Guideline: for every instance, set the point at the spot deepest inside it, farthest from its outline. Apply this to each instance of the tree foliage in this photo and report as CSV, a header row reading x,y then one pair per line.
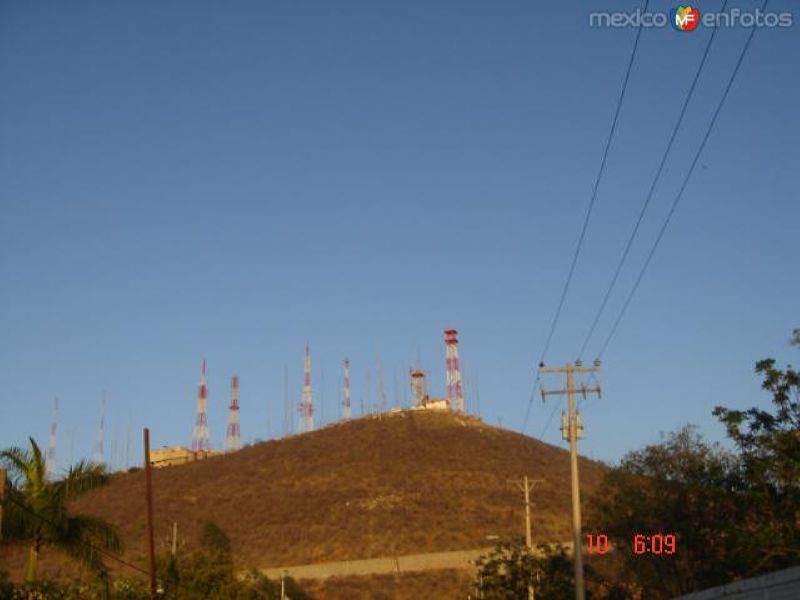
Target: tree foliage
x,y
679,486
37,510
506,572
208,572
92,589
736,514
214,540
768,443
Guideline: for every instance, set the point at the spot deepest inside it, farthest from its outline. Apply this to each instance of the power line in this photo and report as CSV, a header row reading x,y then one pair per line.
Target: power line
x,y
530,404
549,420
594,191
653,185
685,182
589,210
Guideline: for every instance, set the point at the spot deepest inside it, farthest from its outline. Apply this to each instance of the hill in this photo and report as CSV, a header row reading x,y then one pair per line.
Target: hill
x,y
403,483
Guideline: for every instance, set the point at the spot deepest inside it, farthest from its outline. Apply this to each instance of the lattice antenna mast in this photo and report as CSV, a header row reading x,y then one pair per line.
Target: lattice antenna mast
x,y
200,441
287,407
233,441
396,387
128,435
50,462
418,386
455,393
346,410
381,387
368,394
99,451
306,406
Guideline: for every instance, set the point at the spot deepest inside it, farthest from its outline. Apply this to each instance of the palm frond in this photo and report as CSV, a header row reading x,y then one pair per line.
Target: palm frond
x,y
18,461
81,477
85,553
18,523
85,537
39,467
95,530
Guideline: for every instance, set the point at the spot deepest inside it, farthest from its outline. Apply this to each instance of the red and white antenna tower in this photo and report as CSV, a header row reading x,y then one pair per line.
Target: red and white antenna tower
x,y
306,405
233,442
418,386
455,394
99,451
200,441
346,412
50,462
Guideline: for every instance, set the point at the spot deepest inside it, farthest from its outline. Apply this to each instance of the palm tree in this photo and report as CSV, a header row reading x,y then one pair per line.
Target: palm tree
x,y
38,511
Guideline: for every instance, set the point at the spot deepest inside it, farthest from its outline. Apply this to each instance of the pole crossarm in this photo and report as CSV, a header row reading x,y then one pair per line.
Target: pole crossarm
x,y
573,369
584,390
521,483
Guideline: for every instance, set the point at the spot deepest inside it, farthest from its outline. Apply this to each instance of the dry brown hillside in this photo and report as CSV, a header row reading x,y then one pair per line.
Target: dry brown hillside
x,y
404,483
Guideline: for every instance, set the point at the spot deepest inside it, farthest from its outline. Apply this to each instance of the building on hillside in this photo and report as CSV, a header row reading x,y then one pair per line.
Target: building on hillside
x,y
177,455
429,403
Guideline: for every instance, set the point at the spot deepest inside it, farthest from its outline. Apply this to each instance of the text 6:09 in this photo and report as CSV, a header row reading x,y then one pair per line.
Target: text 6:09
x,y
654,544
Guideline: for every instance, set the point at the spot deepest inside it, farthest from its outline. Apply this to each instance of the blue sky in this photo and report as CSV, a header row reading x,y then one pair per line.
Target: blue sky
x,y
203,179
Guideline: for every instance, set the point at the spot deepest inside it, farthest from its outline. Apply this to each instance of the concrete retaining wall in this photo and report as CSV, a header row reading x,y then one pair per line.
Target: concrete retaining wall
x,y
457,559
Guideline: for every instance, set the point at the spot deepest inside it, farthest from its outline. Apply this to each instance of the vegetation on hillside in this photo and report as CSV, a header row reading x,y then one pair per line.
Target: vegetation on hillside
x,y
204,573
208,572
506,571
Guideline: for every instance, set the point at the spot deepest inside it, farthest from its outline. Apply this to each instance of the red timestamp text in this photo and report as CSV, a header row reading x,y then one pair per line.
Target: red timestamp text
x,y
656,543
643,543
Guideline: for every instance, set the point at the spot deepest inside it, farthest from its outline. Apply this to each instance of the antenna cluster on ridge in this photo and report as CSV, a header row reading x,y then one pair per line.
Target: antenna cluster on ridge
x,y
306,422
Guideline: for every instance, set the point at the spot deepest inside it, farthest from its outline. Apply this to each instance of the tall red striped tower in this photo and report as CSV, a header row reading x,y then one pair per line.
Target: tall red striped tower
x,y
306,405
233,441
455,395
200,441
346,412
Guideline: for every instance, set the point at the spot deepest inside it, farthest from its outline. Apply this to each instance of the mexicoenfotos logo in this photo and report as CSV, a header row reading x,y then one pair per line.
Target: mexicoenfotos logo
x,y
684,18
688,18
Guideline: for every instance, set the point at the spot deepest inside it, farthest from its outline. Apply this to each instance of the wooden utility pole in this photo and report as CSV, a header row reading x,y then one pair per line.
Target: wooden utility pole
x,y
527,485
572,429
174,538
2,498
148,474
